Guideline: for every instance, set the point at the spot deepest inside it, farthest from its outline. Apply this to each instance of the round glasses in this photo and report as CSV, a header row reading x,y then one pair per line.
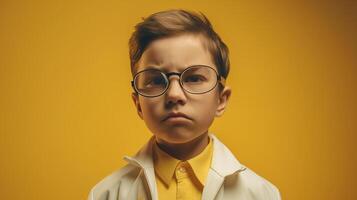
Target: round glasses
x,y
197,79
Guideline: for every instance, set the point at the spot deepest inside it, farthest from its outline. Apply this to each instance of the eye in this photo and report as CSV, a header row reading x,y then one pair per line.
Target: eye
x,y
194,78
158,81
155,81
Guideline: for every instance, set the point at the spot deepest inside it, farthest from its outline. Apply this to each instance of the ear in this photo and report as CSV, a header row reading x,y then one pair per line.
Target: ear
x,y
223,100
135,98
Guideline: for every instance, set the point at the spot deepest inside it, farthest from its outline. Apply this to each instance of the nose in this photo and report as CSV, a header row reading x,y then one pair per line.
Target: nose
x,y
175,93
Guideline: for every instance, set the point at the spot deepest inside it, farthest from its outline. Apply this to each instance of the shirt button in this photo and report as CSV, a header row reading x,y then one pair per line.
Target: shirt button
x,y
182,169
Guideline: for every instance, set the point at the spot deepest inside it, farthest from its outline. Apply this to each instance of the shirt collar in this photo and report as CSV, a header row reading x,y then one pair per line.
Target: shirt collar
x,y
223,161
165,164
202,162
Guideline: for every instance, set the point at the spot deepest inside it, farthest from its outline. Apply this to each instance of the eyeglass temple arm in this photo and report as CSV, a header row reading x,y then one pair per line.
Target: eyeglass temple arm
x,y
132,85
222,80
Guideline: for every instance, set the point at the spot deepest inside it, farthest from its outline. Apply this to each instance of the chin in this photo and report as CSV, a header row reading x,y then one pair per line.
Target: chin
x,y
177,137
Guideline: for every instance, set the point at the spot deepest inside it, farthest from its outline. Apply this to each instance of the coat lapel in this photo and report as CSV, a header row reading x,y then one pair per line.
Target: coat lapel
x,y
223,164
213,184
143,159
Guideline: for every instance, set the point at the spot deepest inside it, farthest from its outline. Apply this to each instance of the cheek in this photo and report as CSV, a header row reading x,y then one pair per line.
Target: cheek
x,y
150,109
205,108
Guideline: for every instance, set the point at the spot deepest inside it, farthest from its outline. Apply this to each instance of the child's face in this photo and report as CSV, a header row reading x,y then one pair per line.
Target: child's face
x,y
175,54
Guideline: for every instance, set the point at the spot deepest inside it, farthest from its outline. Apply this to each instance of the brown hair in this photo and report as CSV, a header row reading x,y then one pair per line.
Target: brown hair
x,y
175,22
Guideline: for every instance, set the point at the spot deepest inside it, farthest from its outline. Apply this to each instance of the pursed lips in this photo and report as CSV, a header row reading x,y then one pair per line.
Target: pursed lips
x,y
176,115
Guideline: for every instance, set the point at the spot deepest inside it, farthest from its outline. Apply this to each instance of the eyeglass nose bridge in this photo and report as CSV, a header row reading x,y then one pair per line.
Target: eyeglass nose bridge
x,y
172,74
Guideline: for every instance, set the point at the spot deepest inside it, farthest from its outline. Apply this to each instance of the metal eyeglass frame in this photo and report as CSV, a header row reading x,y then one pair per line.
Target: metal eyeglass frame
x,y
220,79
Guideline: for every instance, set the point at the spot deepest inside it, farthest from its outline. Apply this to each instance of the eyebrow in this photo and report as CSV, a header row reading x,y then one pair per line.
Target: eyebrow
x,y
156,67
150,67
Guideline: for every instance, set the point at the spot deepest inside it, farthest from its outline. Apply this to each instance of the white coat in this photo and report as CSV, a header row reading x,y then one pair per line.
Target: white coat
x,y
227,179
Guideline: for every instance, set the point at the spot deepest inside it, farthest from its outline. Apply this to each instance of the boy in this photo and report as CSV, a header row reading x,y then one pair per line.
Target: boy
x,y
179,66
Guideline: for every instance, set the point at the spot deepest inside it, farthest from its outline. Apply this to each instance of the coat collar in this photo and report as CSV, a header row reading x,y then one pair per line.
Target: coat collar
x,y
223,160
144,160
223,163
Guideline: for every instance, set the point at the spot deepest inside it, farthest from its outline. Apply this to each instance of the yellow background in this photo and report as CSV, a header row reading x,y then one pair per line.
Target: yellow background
x,y
67,119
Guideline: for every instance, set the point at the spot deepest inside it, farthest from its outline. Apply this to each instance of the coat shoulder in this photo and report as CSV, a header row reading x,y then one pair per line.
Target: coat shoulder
x,y
110,185
259,187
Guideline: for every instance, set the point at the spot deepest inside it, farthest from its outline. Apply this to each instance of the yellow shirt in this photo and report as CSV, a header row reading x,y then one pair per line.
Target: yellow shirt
x,y
184,180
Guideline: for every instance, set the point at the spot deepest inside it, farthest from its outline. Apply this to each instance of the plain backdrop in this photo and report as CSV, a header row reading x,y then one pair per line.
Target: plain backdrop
x,y
67,118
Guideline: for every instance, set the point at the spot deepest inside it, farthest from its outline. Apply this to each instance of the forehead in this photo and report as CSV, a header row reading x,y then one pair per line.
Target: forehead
x,y
175,54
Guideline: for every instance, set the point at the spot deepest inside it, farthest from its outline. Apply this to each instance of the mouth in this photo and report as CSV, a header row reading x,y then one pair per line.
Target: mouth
x,y
176,116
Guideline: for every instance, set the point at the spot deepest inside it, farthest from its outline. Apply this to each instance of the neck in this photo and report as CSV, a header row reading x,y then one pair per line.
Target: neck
x,y
185,151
